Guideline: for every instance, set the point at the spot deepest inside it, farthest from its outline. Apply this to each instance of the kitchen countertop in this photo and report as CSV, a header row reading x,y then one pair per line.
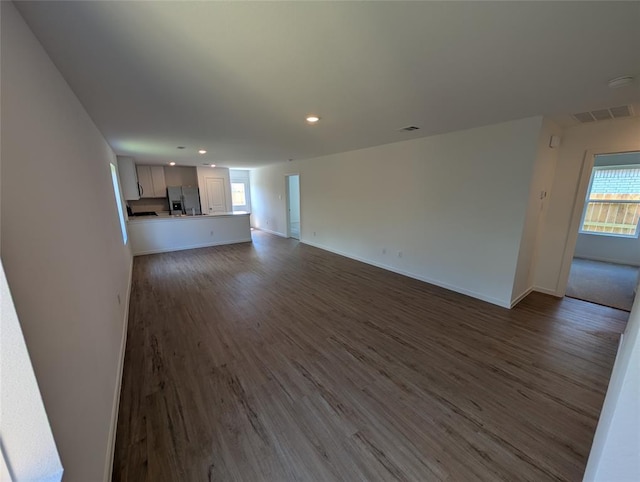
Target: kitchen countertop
x,y
167,217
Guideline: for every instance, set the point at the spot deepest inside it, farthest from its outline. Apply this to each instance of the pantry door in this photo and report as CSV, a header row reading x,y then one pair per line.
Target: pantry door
x,y
216,198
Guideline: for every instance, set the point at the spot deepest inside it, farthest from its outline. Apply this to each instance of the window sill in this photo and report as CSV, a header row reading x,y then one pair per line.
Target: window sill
x,y
610,235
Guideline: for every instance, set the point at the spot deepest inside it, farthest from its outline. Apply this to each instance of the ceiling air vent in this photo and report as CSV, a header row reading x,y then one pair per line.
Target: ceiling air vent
x,y
409,128
584,117
622,111
604,114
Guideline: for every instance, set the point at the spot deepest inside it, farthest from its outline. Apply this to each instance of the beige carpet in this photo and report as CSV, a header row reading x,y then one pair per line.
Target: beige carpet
x,y
606,284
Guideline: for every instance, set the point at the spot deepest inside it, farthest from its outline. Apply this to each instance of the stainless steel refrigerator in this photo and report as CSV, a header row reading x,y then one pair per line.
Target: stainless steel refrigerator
x,y
184,200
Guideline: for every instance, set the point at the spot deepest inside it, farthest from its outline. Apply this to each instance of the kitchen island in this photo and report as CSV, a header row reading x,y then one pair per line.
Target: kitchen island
x,y
160,234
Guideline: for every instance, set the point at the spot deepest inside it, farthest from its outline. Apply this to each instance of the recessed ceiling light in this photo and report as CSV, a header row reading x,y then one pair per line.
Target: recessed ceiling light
x,y
213,165
312,119
172,163
180,147
202,151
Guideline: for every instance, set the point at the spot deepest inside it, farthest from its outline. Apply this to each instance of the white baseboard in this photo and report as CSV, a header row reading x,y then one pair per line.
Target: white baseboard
x,y
521,297
608,260
282,235
192,246
457,289
108,470
546,291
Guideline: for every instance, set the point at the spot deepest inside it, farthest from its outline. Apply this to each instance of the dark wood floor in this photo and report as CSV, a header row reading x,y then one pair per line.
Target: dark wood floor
x,y
278,361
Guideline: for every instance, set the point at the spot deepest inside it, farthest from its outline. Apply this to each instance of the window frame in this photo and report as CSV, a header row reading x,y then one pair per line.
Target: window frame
x,y
244,189
588,195
117,193
241,176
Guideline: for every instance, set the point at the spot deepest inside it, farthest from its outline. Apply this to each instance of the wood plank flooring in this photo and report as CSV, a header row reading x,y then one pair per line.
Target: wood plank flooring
x,y
276,361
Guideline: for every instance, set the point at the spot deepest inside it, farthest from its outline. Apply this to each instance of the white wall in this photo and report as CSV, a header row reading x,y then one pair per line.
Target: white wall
x,y
27,441
268,191
616,445
181,176
608,248
541,182
552,270
174,234
62,250
453,204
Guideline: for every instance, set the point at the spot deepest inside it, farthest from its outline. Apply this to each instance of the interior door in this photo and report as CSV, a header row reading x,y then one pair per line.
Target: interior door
x,y
216,198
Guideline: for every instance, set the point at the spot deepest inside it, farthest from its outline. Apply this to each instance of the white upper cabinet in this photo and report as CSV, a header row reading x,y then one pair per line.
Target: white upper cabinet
x,y
159,183
145,183
128,178
151,181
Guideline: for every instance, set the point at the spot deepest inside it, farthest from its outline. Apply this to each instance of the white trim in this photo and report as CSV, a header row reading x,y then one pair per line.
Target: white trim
x,y
576,212
595,168
287,209
546,291
241,176
193,246
522,296
611,235
608,260
108,470
457,289
276,233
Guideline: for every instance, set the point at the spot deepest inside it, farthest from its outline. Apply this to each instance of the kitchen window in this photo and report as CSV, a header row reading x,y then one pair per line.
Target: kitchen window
x,y
238,194
612,206
240,190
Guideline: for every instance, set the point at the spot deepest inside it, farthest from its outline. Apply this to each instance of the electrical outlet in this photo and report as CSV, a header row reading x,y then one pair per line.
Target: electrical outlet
x,y
211,233
384,250
314,233
399,254
118,296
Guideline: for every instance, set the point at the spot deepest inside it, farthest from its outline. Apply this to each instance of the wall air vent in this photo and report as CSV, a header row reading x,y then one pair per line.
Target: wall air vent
x,y
604,114
409,128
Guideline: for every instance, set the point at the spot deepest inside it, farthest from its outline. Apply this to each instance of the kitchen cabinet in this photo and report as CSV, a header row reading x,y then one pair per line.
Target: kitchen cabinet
x,y
152,234
159,183
151,181
128,178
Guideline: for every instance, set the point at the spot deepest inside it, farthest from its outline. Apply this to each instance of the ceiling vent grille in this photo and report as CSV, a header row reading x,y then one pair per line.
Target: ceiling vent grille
x,y
622,111
604,114
409,128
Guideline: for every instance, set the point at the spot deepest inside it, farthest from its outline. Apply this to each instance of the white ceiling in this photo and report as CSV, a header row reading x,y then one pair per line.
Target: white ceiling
x,y
238,78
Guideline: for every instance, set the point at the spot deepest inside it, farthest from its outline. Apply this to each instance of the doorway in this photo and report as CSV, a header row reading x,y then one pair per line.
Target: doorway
x,y
293,206
604,268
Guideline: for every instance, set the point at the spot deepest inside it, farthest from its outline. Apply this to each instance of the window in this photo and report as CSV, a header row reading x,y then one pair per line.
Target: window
x,y
116,192
238,195
240,190
612,207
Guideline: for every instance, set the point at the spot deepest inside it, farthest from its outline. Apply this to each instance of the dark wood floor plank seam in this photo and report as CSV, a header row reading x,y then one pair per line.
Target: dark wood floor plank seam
x,y
277,361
